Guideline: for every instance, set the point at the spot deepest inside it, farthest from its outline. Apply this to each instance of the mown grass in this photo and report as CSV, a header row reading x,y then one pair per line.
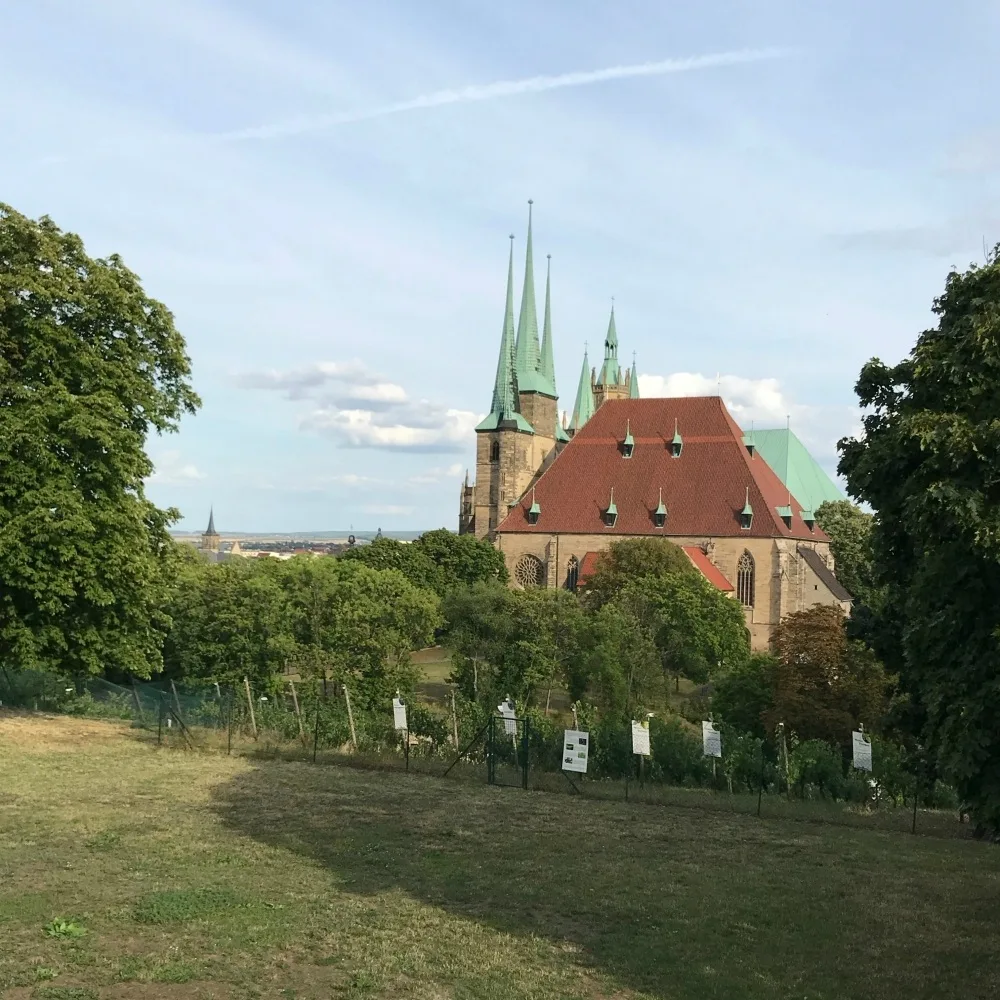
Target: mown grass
x,y
200,875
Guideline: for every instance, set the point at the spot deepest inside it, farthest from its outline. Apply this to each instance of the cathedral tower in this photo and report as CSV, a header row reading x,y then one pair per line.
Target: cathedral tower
x,y
210,538
611,382
504,439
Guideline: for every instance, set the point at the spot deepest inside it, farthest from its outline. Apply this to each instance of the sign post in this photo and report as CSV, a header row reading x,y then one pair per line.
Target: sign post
x,y
640,745
400,725
862,748
711,743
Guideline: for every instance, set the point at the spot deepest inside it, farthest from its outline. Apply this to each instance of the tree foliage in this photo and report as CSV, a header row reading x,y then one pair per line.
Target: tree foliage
x,y
346,621
89,365
438,560
929,466
824,683
631,559
850,528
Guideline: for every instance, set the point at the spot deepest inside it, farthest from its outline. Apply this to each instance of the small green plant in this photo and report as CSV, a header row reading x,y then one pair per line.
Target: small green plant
x,y
64,928
43,973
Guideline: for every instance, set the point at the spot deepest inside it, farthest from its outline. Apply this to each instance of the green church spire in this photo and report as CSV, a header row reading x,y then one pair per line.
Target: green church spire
x,y
583,409
610,372
547,368
504,406
633,381
528,353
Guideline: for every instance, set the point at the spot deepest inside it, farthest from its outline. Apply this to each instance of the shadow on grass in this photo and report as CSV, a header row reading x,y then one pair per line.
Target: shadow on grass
x,y
673,902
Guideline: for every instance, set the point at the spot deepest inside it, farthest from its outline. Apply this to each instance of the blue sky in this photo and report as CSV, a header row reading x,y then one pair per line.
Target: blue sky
x,y
322,192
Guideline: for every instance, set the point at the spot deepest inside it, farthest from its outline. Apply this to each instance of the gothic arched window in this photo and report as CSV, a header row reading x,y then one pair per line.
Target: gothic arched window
x,y
745,580
495,451
529,571
572,573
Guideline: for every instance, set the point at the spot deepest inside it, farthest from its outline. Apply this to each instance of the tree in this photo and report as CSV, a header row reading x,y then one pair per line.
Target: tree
x,y
517,642
438,560
360,623
89,365
623,675
462,560
850,528
231,620
742,697
698,630
632,559
824,683
929,466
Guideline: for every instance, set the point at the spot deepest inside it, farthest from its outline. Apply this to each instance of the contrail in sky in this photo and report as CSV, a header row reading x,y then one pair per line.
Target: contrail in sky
x,y
503,88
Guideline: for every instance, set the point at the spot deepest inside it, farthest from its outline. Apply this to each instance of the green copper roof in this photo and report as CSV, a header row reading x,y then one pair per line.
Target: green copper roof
x,y
583,408
503,409
547,367
612,509
561,434
527,351
795,467
610,372
633,382
661,507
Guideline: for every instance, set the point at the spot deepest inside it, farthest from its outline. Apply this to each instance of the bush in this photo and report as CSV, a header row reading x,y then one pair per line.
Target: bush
x,y
816,766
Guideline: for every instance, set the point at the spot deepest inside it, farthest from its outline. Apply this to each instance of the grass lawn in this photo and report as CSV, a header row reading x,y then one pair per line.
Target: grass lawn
x,y
163,873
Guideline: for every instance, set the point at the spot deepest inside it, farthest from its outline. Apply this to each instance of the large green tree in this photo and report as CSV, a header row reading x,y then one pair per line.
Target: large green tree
x,y
89,366
929,466
850,529
824,683
631,559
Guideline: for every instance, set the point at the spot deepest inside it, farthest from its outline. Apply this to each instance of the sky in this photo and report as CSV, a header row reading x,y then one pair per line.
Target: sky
x,y
772,192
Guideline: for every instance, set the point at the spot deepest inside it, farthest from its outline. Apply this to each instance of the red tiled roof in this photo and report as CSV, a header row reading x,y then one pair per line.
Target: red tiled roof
x,y
704,489
587,566
708,569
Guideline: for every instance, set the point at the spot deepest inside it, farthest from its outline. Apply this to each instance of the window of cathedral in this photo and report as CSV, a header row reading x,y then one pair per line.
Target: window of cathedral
x,y
572,574
529,571
611,513
746,515
745,579
677,442
495,451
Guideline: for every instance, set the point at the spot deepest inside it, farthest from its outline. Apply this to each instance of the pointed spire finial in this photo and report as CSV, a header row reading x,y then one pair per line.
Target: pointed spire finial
x,y
546,362
527,350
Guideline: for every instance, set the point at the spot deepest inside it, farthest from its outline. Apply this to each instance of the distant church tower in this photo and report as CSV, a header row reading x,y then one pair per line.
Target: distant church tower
x,y
611,382
210,539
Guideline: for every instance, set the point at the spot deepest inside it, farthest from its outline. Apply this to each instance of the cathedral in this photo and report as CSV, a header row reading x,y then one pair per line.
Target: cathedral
x,y
552,493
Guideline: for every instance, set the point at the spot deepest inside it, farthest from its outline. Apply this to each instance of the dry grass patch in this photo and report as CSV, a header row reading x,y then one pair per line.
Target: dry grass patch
x,y
200,875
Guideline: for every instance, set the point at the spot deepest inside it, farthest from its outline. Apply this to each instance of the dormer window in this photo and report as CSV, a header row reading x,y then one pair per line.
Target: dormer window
x,y
785,513
628,445
611,513
660,514
677,442
746,515
809,518
534,511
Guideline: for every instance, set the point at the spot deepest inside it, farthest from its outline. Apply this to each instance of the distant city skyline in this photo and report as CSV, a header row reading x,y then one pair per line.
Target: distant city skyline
x,y
322,194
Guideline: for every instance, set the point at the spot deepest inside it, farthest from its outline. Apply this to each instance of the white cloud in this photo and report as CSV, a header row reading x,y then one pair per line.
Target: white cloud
x,y
436,475
761,400
360,409
172,470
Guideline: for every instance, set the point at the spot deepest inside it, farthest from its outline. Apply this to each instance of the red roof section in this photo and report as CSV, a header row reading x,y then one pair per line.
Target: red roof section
x,y
704,489
708,569
587,566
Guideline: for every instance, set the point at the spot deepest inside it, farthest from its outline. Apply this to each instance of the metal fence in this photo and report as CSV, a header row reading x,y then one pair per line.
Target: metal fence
x,y
317,721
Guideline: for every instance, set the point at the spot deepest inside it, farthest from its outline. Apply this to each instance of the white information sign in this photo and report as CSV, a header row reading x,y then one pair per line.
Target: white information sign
x,y
862,752
711,740
576,747
506,709
399,713
640,738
